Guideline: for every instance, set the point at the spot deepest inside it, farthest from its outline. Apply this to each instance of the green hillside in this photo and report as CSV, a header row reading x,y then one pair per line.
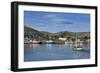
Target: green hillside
x,y
54,36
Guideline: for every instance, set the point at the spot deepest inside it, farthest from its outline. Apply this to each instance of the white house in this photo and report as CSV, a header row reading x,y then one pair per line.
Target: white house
x,y
62,39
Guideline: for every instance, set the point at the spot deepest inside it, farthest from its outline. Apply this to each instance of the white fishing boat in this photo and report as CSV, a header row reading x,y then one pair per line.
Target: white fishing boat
x,y
49,42
78,45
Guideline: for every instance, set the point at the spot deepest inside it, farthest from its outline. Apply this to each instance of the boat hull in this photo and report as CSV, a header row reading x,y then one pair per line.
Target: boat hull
x,y
78,49
32,42
49,42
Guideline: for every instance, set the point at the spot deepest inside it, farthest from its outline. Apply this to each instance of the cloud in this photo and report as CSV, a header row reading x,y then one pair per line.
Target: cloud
x,y
59,20
63,21
50,16
40,25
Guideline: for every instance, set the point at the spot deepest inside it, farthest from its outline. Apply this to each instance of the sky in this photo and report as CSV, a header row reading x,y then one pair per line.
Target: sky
x,y
56,21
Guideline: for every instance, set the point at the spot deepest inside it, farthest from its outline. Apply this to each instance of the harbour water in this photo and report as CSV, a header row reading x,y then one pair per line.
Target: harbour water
x,y
47,52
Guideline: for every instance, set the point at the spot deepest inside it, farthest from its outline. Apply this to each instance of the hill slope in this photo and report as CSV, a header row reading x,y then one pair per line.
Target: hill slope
x,y
45,34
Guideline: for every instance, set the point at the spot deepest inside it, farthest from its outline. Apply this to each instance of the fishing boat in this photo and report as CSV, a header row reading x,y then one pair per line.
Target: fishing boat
x,y
31,39
78,46
34,42
49,42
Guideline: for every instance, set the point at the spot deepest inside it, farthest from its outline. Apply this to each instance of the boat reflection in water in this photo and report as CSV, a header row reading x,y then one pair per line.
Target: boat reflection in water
x,y
46,52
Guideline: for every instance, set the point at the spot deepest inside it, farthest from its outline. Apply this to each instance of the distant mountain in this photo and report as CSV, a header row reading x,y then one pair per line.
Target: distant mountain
x,y
45,34
83,34
31,31
73,34
64,33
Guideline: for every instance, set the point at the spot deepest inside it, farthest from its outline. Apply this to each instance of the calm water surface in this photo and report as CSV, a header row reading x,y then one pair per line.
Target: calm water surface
x,y
44,52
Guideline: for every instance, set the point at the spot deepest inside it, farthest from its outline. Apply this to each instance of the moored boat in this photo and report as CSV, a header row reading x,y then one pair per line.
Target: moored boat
x,y
35,42
50,42
78,46
32,42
